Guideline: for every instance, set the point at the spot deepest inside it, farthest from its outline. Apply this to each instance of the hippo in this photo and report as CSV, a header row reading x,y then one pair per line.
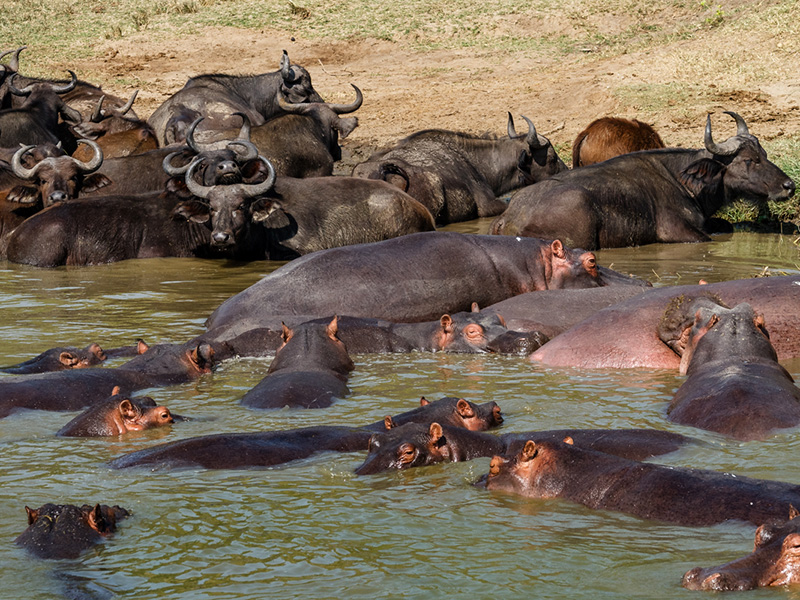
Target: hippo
x,y
417,444
59,359
269,448
461,332
775,560
308,371
689,497
416,277
450,411
735,385
161,365
625,335
60,531
117,415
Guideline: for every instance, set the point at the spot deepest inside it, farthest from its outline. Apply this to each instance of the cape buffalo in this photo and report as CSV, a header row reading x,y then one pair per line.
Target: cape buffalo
x,y
651,196
458,176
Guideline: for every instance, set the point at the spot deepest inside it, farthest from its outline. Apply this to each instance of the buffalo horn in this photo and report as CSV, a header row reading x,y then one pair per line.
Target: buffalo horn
x,y
96,160
68,87
252,190
166,164
247,190
286,68
741,126
17,92
16,164
190,135
129,103
13,64
301,108
197,189
726,148
97,115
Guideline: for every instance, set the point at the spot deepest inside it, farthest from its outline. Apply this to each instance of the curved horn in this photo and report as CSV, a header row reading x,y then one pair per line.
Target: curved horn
x,y
96,160
741,126
251,190
244,132
299,108
166,164
512,131
63,89
534,139
197,189
16,164
97,115
726,148
249,153
14,62
129,103
341,109
190,136
17,92
286,70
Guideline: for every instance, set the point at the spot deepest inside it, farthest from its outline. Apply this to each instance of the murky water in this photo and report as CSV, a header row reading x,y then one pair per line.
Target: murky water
x,y
312,529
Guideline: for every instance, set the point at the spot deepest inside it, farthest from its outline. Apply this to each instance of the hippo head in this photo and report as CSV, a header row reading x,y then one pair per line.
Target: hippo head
x,y
520,473
453,412
64,530
404,447
775,560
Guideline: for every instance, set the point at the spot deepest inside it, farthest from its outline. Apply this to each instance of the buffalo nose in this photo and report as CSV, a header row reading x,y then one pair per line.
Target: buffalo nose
x,y
221,237
789,186
57,197
227,166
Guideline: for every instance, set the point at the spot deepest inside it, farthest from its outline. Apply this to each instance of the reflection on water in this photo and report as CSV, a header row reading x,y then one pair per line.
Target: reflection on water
x,y
314,530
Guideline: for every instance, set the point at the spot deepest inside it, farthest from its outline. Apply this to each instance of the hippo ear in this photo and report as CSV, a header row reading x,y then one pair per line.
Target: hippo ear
x,y
333,328
528,451
761,325
126,409
793,512
435,432
286,333
423,401
447,323
557,248
502,320
68,359
494,466
464,409
475,308
33,514
115,391
141,346
203,356
569,440
389,423
96,520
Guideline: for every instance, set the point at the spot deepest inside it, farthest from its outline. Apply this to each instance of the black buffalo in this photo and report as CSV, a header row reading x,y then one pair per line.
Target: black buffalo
x,y
299,216
458,176
651,196
217,97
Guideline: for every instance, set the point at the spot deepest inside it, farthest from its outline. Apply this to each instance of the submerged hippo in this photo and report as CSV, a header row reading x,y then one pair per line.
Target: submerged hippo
x,y
452,411
117,415
65,531
625,335
775,560
161,365
735,385
690,497
59,359
310,370
413,278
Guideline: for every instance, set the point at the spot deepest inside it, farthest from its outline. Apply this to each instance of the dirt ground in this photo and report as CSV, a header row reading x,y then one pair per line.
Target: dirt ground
x,y
467,90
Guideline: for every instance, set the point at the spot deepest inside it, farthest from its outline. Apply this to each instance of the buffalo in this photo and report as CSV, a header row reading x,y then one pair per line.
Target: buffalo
x,y
608,137
217,97
459,176
652,196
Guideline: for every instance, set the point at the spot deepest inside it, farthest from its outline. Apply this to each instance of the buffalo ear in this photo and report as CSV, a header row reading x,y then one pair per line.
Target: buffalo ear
x,y
700,174
68,359
270,213
177,186
94,182
33,514
193,211
254,171
345,126
23,194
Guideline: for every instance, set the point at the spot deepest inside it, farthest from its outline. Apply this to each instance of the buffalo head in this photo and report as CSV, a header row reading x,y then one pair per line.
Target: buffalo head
x,y
56,178
296,82
536,157
748,173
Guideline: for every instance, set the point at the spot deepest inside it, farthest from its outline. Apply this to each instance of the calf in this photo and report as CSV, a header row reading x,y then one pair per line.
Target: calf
x,y
608,137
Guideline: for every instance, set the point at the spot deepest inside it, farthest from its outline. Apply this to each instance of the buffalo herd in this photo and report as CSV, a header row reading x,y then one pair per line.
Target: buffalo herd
x,y
241,167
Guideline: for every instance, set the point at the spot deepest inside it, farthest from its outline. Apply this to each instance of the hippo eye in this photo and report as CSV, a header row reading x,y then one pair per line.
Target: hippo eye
x,y
473,331
406,453
165,415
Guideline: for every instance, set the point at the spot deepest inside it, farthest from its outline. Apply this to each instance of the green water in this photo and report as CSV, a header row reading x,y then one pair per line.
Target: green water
x,y
312,529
